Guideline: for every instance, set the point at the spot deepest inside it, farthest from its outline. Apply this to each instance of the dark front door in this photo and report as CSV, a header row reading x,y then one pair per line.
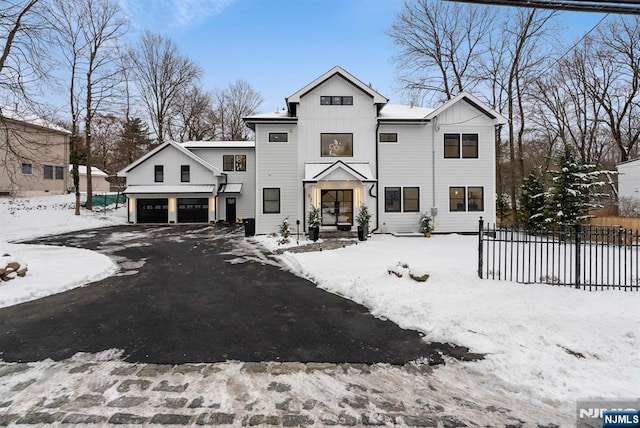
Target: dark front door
x,y
231,210
337,207
193,210
152,210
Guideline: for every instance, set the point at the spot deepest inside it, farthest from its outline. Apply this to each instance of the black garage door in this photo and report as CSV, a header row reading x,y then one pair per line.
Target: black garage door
x,y
152,211
193,210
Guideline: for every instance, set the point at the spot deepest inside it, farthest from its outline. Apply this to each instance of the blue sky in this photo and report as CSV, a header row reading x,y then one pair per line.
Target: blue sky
x,y
278,46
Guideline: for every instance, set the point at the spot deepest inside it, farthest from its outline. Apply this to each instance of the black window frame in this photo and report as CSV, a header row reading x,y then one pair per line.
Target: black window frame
x,y
47,172
451,145
58,172
265,200
389,137
387,193
278,137
465,145
241,163
228,162
158,173
461,204
404,199
477,207
185,173
27,166
336,100
325,150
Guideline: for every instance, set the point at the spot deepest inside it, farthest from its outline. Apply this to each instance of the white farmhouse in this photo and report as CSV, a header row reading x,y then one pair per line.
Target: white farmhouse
x,y
337,145
629,179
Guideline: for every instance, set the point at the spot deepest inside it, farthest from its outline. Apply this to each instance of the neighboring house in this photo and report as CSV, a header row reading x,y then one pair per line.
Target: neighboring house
x,y
629,179
99,183
192,182
339,144
34,155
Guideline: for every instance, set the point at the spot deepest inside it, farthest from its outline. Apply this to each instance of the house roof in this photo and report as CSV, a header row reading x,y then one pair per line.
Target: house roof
x,y
403,112
230,188
31,119
95,172
218,144
630,161
182,188
337,71
318,171
474,102
178,147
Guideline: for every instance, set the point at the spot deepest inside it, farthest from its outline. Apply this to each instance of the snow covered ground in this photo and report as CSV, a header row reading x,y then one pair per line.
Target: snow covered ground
x,y
544,344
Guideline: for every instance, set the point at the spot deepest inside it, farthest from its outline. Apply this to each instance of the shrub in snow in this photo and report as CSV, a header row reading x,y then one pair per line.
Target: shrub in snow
x,y
425,224
418,275
285,231
533,202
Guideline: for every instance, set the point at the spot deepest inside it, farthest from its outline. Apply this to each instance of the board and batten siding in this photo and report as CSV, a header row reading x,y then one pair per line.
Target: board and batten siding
x,y
462,118
629,179
171,159
406,163
278,168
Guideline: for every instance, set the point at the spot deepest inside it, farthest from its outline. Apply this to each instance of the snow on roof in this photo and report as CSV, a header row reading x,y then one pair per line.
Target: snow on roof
x,y
32,119
218,144
95,172
399,111
280,114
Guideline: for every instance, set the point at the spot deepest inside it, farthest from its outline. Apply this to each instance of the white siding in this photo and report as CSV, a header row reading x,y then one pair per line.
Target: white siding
x,y
629,179
171,159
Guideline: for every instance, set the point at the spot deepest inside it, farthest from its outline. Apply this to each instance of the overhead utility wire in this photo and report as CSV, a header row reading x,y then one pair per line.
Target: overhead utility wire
x,y
629,7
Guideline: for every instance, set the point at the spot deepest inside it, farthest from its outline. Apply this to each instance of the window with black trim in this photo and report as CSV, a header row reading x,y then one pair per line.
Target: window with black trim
x,y
335,100
48,172
457,199
411,199
241,162
392,199
278,137
185,173
470,145
227,162
451,146
388,137
27,169
461,146
59,172
476,198
271,200
335,145
158,172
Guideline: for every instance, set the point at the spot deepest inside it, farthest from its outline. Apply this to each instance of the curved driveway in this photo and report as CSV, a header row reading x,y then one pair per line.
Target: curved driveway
x,y
194,293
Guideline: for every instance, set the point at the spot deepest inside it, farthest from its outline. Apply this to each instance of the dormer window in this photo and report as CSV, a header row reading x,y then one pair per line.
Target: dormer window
x,y
336,100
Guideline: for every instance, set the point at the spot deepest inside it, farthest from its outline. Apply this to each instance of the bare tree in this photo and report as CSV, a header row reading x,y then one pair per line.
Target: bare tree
x,y
440,46
162,76
232,105
193,116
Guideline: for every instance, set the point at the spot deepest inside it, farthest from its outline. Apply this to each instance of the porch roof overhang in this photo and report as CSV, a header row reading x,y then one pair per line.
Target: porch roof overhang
x,y
322,171
168,189
230,188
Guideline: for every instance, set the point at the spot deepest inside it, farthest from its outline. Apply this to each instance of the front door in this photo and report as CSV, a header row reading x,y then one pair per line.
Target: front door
x,y
337,207
231,210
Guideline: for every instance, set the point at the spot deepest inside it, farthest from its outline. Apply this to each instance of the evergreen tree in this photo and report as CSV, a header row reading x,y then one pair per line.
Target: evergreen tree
x,y
533,202
571,197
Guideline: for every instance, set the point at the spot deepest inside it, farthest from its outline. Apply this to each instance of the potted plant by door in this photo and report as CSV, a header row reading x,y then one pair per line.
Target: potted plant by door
x,y
314,223
426,224
363,218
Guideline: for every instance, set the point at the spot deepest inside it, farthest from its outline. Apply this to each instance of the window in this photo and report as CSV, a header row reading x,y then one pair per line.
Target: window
x,y
336,145
336,101
457,199
185,173
278,137
451,146
388,137
48,172
453,149
411,199
27,169
470,145
59,173
159,173
476,198
392,199
227,162
241,162
271,200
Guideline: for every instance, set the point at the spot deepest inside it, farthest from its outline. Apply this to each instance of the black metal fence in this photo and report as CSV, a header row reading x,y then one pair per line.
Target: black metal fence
x,y
581,256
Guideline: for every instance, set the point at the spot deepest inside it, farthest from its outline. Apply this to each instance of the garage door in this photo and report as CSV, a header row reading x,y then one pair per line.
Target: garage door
x,y
152,211
193,210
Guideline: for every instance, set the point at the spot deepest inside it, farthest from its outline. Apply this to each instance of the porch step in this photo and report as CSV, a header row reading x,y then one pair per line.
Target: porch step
x,y
338,234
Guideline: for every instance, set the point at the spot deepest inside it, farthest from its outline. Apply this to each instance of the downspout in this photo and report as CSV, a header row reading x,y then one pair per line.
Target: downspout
x,y
377,183
434,124
304,208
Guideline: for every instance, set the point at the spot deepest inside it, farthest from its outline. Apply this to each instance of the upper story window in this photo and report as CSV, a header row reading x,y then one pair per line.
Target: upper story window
x,y
278,137
158,171
27,169
227,162
388,137
185,173
335,100
59,172
334,145
461,146
241,162
48,172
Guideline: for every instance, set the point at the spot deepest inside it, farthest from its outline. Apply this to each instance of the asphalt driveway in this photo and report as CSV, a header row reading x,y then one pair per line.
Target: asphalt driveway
x,y
194,293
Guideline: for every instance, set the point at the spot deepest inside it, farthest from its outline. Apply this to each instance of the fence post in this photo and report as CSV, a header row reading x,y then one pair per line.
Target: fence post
x,y
480,247
578,232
